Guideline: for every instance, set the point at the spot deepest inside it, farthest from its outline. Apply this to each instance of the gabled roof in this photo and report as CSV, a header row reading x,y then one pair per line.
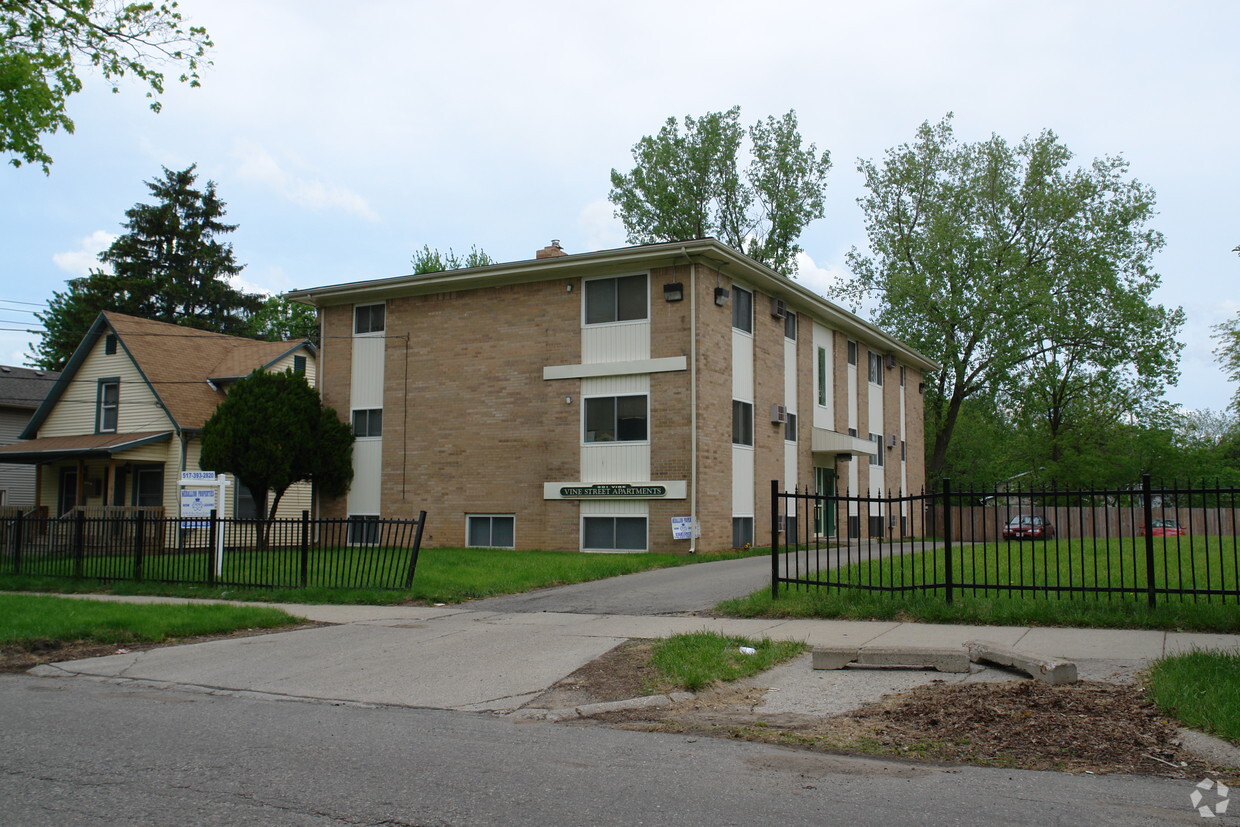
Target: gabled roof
x,y
178,363
24,388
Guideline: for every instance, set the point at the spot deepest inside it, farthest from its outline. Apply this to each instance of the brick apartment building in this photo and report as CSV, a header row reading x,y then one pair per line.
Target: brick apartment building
x,y
583,401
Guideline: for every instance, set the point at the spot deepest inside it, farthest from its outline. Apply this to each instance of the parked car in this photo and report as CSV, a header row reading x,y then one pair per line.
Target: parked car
x,y
1165,528
1028,527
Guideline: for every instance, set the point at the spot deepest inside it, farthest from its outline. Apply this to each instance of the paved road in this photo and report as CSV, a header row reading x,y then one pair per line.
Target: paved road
x,y
76,752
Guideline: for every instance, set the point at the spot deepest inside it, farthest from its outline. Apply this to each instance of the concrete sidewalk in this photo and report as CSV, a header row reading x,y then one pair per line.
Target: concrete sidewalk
x,y
458,658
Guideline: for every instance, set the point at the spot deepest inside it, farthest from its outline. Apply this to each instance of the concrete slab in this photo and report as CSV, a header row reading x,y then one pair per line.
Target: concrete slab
x,y
1041,667
1178,642
831,632
362,614
942,634
1084,644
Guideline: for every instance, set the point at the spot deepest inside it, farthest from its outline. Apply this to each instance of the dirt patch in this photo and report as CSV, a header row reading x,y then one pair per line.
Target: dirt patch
x,y
21,658
1089,726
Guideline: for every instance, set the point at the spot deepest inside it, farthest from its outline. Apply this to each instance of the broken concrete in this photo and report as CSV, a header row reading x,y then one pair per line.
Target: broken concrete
x,y
1048,670
939,659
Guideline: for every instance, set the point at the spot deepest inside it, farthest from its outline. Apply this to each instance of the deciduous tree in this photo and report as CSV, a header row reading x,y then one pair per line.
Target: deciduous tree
x,y
689,185
44,43
1021,275
427,260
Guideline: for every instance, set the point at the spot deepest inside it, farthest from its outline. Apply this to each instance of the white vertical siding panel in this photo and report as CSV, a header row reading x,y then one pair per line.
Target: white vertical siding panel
x,y
790,375
364,495
615,385
790,473
630,508
367,388
852,397
615,462
824,415
625,341
742,367
742,481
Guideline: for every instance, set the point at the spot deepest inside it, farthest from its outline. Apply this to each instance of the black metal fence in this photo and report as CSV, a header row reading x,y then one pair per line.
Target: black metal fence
x,y
357,553
1153,544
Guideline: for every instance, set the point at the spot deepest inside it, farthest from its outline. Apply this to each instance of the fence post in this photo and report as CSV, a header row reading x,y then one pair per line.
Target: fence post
x,y
305,547
774,539
17,543
139,536
211,545
79,544
947,535
417,545
1147,506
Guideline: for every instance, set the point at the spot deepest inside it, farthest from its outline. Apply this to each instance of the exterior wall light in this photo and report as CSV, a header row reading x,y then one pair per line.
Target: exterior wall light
x,y
721,296
673,292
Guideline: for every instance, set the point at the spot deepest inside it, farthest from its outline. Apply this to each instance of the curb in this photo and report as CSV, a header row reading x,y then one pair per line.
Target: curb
x,y
1210,747
586,710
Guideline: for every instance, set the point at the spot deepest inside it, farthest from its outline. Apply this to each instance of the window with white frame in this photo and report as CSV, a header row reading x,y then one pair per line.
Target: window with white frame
x,y
877,439
790,428
852,353
742,422
613,533
822,376
369,318
620,299
363,529
790,325
742,532
742,309
490,530
107,406
368,423
876,368
616,418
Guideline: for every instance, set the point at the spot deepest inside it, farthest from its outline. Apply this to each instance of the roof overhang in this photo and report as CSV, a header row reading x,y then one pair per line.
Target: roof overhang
x,y
56,448
833,442
705,251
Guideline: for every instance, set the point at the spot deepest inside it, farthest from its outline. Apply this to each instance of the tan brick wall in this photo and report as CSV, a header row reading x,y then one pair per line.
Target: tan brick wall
x,y
714,382
768,439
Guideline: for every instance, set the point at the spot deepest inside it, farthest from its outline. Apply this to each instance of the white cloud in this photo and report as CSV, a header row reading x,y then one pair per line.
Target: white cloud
x,y
272,281
78,262
258,165
822,280
600,228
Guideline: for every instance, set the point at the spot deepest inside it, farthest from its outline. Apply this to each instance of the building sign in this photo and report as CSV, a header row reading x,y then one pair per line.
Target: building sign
x,y
612,490
685,528
197,505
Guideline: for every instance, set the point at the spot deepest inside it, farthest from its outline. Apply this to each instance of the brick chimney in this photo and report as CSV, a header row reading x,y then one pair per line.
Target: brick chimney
x,y
552,251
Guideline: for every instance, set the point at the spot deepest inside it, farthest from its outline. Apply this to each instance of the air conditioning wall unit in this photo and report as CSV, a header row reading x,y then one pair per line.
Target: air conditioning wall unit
x,y
891,361
779,413
778,309
891,440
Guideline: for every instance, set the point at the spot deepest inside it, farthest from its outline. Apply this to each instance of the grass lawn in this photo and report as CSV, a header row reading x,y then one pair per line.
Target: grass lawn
x,y
27,619
443,576
987,578
1202,689
699,659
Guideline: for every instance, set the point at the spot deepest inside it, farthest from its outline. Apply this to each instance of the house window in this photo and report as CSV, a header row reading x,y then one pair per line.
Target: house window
x,y
369,318
852,353
616,419
877,439
790,428
299,364
109,344
790,325
822,376
108,404
742,422
368,423
742,532
742,309
244,507
490,531
876,368
852,431
622,299
901,375
363,529
613,533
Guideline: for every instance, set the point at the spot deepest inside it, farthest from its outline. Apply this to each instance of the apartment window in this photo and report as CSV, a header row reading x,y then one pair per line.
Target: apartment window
x,y
107,406
877,439
616,419
903,450
244,506
742,532
490,531
822,376
742,309
852,431
369,318
368,423
876,368
613,533
742,422
790,428
109,344
363,529
790,325
299,364
852,353
621,299
901,375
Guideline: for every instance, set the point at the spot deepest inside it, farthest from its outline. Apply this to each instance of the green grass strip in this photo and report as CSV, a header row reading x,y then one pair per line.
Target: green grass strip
x,y
1200,688
25,619
697,660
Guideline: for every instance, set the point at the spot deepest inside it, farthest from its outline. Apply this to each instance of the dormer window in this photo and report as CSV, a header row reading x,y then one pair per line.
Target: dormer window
x,y
109,344
108,405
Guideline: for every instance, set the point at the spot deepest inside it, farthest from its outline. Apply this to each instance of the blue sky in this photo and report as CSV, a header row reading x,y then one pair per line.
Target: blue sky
x,y
343,141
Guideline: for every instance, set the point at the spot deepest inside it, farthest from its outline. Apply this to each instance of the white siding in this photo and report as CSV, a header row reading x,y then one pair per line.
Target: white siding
x,y
137,411
742,456
824,415
611,461
364,494
742,481
367,386
603,508
620,342
366,392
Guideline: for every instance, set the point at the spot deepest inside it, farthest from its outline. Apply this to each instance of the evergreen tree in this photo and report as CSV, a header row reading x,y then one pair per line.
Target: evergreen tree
x,y
170,266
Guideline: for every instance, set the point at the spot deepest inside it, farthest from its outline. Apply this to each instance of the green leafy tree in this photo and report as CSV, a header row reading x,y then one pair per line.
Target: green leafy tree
x,y
1016,272
689,185
44,43
169,266
272,431
1227,335
277,319
427,260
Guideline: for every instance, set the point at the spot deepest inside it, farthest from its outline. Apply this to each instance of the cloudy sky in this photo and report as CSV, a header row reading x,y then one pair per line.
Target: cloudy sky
x,y
342,141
